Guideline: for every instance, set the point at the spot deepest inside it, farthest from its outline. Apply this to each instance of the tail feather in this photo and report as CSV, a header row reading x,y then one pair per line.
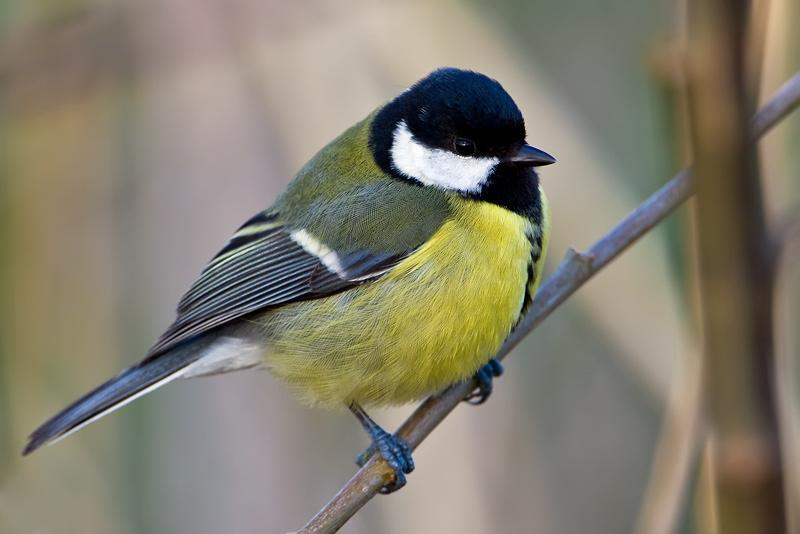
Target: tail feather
x,y
115,393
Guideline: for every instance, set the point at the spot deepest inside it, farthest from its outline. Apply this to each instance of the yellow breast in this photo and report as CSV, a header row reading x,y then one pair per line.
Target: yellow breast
x,y
431,321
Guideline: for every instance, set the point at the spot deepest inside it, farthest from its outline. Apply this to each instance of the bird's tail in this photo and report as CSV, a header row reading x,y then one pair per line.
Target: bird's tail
x,y
128,385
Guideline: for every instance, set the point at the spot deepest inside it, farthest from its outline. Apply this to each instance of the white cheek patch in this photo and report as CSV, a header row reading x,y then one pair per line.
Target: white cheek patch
x,y
435,166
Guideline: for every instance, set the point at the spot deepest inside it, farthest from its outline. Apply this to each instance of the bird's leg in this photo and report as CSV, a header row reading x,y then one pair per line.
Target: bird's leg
x,y
394,450
484,378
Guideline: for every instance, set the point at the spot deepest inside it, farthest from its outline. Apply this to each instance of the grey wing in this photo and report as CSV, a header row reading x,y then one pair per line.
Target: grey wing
x,y
267,264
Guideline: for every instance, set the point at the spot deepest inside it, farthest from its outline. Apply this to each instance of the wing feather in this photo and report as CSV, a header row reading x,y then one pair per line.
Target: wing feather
x,y
265,265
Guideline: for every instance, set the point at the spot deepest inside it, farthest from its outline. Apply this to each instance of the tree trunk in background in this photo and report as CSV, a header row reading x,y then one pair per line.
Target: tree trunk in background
x,y
735,274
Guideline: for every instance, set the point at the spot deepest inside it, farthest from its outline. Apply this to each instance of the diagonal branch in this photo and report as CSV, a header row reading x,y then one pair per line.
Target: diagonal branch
x,y
572,273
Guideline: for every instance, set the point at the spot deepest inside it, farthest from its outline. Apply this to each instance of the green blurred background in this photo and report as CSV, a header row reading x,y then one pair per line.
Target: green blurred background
x,y
136,136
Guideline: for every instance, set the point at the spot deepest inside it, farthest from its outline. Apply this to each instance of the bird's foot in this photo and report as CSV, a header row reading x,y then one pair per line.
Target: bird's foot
x,y
484,377
397,454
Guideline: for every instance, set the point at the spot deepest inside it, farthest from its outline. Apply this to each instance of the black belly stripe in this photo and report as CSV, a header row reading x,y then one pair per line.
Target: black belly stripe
x,y
526,302
536,253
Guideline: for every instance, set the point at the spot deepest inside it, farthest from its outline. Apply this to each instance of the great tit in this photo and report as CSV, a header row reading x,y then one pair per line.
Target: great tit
x,y
395,264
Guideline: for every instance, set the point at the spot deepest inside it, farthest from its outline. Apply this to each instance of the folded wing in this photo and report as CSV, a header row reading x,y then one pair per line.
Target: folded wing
x,y
267,263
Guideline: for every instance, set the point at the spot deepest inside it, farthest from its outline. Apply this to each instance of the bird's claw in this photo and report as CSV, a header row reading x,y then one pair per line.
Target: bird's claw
x,y
484,377
397,454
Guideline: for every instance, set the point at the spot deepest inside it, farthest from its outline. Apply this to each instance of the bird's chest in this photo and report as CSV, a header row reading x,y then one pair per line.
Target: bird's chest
x,y
474,268
466,288
432,320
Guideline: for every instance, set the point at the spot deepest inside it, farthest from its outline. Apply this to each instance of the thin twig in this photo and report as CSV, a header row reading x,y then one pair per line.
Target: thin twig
x,y
678,448
786,99
572,273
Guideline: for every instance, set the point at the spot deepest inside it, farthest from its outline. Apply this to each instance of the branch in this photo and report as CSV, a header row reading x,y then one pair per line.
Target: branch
x,y
572,273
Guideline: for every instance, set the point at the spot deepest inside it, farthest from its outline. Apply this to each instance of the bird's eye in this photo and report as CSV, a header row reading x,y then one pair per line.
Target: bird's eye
x,y
463,147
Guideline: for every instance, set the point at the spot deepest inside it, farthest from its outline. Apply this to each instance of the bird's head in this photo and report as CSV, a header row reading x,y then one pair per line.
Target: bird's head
x,y
457,130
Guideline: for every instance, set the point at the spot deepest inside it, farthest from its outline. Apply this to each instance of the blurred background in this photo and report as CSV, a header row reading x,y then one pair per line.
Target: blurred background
x,y
136,136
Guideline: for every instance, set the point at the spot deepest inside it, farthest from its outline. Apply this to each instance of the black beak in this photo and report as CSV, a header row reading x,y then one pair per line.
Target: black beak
x,y
532,157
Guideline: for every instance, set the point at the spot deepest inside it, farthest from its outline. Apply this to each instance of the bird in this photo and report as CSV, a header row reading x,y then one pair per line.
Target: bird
x,y
394,265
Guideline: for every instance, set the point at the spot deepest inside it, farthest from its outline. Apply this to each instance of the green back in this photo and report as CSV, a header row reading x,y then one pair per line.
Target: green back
x,y
373,211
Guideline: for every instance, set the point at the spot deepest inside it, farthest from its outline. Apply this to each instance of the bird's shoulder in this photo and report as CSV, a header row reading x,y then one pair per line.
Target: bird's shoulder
x,y
343,198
